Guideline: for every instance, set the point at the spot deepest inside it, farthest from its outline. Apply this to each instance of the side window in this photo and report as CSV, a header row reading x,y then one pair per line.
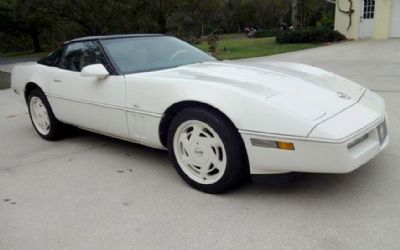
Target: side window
x,y
81,54
53,59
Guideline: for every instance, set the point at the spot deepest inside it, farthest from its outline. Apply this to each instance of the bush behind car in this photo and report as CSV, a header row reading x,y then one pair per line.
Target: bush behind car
x,y
309,35
266,33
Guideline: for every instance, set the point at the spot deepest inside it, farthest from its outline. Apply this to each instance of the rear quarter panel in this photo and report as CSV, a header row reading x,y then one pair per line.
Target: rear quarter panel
x,y
24,73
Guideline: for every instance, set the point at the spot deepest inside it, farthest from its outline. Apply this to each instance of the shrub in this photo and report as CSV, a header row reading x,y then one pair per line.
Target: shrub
x,y
309,35
327,19
14,43
266,33
212,43
190,39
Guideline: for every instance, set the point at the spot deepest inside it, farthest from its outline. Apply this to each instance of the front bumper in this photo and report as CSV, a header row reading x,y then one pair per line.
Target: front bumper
x,y
315,155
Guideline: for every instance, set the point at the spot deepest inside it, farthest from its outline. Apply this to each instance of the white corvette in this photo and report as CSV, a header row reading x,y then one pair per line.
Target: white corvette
x,y
220,121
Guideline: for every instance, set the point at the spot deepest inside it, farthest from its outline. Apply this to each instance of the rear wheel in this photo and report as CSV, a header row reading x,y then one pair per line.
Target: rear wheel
x,y
42,117
206,150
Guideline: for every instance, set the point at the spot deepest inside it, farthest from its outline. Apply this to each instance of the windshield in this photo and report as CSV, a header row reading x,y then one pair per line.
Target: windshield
x,y
140,54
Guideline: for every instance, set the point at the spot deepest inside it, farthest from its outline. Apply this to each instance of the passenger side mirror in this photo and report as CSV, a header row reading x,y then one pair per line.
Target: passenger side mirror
x,y
95,70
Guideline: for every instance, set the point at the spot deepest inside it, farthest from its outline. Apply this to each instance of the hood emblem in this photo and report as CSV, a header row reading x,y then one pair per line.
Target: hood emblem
x,y
343,95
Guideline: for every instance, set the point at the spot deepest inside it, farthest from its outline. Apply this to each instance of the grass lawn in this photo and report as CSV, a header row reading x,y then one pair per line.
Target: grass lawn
x,y
238,46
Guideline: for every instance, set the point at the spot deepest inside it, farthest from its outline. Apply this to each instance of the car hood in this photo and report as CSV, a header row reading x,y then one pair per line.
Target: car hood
x,y
307,91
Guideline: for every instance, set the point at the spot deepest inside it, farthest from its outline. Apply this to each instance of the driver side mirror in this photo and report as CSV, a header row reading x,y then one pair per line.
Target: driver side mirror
x,y
95,70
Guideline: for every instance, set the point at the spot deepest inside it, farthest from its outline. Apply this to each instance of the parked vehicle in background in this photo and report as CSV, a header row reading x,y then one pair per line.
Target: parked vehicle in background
x,y
250,32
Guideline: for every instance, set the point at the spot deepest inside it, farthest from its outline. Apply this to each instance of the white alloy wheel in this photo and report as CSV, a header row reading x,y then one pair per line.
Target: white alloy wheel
x,y
39,115
200,152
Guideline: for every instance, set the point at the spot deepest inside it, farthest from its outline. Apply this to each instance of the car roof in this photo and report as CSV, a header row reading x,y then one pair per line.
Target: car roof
x,y
88,38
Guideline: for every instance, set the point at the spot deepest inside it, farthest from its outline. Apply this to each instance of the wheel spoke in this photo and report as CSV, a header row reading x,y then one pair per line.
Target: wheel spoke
x,y
195,134
46,123
185,142
47,120
214,158
187,160
204,171
210,141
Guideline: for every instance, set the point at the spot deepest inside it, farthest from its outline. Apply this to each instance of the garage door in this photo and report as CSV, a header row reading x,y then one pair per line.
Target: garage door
x,y
395,30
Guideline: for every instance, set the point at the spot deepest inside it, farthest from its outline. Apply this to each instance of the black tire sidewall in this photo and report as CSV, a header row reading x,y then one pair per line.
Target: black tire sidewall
x,y
236,166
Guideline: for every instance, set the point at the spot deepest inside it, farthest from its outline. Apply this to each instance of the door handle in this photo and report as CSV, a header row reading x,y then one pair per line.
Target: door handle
x,y
57,80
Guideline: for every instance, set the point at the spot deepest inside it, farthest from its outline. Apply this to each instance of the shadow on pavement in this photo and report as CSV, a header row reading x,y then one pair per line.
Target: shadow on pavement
x,y
5,80
325,186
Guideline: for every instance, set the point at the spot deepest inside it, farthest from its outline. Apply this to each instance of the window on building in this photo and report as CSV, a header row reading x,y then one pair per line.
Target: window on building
x,y
369,9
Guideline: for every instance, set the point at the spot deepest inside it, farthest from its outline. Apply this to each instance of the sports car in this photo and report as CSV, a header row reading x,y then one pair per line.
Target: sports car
x,y
221,121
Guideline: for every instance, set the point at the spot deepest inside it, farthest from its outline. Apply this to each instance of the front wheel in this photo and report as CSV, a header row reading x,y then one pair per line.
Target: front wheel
x,y
206,150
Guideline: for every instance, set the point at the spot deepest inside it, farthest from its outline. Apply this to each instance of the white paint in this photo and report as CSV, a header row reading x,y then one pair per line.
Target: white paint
x,y
7,67
88,102
95,70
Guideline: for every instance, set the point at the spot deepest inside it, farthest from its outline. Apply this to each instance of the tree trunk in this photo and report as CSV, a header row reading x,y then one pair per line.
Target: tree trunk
x,y
162,23
302,14
36,42
294,14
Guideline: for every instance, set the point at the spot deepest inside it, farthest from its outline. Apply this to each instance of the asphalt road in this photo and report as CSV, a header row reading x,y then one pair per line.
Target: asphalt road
x,y
93,192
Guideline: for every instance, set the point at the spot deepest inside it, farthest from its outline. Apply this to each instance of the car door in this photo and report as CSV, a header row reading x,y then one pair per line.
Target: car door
x,y
89,102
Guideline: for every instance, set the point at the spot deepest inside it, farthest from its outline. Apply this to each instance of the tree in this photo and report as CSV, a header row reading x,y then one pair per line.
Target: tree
x,y
197,16
262,13
294,14
93,16
49,22
161,11
26,17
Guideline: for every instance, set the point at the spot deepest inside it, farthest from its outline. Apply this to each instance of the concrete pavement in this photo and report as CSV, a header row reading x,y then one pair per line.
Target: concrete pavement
x,y
6,66
93,192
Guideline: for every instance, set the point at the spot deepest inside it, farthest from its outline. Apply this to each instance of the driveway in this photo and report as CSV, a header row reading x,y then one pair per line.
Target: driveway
x,y
93,192
6,66
7,63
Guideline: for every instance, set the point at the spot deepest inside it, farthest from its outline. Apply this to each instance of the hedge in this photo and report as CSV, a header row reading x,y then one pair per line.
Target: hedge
x,y
266,33
309,35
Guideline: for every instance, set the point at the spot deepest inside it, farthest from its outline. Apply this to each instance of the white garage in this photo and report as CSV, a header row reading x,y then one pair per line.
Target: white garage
x,y
395,22
379,19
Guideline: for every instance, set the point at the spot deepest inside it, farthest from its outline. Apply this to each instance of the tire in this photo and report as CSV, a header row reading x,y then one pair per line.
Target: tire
x,y
207,150
42,116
